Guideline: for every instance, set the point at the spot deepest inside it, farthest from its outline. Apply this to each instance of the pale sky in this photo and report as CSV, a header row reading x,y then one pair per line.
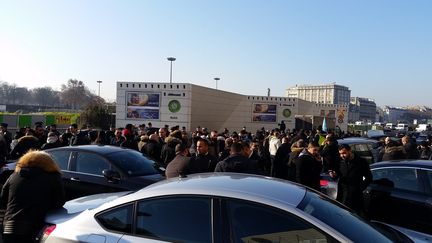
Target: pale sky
x,y
380,49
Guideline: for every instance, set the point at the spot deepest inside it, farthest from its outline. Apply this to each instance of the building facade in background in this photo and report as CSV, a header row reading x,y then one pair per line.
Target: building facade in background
x,y
191,106
323,94
362,109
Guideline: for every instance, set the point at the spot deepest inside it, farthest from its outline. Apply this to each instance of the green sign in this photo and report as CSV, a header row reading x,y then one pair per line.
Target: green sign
x,y
174,106
286,113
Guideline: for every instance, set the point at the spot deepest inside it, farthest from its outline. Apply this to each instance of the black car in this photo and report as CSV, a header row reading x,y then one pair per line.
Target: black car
x,y
92,169
401,194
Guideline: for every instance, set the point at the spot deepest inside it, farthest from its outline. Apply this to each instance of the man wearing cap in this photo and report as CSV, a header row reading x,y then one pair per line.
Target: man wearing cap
x,y
180,165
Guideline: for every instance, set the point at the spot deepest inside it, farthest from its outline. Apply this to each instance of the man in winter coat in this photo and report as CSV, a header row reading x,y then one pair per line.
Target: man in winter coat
x,y
308,167
180,165
236,162
203,161
30,192
351,184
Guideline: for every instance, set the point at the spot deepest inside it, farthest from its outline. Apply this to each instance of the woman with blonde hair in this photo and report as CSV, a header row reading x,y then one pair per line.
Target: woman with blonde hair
x,y
30,192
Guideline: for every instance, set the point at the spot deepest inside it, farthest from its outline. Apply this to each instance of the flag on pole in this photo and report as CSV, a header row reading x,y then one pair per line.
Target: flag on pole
x,y
324,125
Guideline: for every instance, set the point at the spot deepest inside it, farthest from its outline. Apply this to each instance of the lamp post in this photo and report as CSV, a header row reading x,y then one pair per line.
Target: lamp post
x,y
171,59
99,83
216,79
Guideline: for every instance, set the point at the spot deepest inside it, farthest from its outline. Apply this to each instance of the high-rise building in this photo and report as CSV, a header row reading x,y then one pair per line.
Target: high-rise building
x,y
365,107
325,94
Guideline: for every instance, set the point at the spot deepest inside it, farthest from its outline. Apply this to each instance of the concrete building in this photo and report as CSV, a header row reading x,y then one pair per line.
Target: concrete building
x,y
191,106
362,109
325,94
393,114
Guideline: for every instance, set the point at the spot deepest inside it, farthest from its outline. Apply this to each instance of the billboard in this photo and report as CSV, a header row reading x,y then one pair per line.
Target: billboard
x,y
143,105
264,112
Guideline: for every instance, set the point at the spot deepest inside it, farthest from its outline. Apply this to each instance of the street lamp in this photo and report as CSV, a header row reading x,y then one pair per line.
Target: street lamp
x,y
99,82
171,59
216,79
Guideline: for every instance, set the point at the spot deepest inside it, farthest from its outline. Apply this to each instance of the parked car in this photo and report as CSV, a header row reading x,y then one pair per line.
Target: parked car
x,y
91,169
212,207
401,194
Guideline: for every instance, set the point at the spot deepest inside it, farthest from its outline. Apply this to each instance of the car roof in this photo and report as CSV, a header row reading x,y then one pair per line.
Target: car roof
x,y
234,185
426,164
101,149
356,140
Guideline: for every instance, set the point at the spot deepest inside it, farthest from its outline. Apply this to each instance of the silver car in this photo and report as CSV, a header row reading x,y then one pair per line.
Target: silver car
x,y
210,208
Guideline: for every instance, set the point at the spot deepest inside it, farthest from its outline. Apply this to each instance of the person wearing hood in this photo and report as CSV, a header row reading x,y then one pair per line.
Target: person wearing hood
x,y
168,149
30,192
309,166
51,142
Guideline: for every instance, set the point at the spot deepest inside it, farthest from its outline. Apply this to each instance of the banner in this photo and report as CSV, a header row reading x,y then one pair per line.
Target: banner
x,y
264,113
141,105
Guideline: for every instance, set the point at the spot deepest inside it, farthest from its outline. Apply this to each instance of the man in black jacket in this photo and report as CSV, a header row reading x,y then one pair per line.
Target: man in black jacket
x,y
30,192
236,162
351,184
308,167
203,161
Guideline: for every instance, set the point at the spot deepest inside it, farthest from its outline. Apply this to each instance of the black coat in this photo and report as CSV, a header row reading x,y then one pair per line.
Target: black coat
x,y
28,195
330,154
45,146
180,165
153,150
24,144
279,167
3,150
351,184
411,151
308,171
203,163
237,163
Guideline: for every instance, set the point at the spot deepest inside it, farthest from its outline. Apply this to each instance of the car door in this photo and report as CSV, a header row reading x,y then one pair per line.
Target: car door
x,y
86,176
63,159
253,222
397,196
173,219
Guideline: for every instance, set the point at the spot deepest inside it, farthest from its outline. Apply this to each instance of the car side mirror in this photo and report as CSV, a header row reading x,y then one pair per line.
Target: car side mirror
x,y
111,176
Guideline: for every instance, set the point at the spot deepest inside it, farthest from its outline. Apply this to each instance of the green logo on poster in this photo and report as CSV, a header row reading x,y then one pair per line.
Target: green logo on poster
x,y
287,113
174,106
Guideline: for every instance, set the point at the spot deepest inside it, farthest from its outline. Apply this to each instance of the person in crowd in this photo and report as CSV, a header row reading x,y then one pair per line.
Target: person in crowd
x,y
143,141
25,143
203,161
410,147
118,138
227,150
30,192
279,164
425,151
309,166
163,133
53,128
152,148
39,133
296,149
274,144
130,141
393,151
168,149
330,153
3,150
51,142
180,165
354,176
6,134
236,162
77,138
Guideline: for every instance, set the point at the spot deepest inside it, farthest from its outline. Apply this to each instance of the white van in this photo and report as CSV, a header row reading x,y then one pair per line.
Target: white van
x,y
402,127
390,126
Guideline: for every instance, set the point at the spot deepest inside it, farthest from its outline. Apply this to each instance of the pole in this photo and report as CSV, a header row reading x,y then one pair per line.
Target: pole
x,y
171,59
99,83
216,79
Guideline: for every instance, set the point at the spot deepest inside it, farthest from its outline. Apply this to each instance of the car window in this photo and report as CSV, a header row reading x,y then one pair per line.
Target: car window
x,y
91,163
251,222
117,219
61,158
429,175
340,219
133,163
400,178
175,219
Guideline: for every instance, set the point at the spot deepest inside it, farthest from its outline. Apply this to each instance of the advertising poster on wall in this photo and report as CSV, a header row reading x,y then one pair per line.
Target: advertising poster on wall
x,y
264,113
142,105
341,115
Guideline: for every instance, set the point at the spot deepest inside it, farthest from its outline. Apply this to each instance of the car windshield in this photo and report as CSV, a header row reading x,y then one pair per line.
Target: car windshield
x,y
340,219
133,163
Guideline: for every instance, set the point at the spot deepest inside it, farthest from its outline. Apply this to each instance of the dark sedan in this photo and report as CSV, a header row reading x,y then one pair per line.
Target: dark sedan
x,y
401,194
94,169
364,147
